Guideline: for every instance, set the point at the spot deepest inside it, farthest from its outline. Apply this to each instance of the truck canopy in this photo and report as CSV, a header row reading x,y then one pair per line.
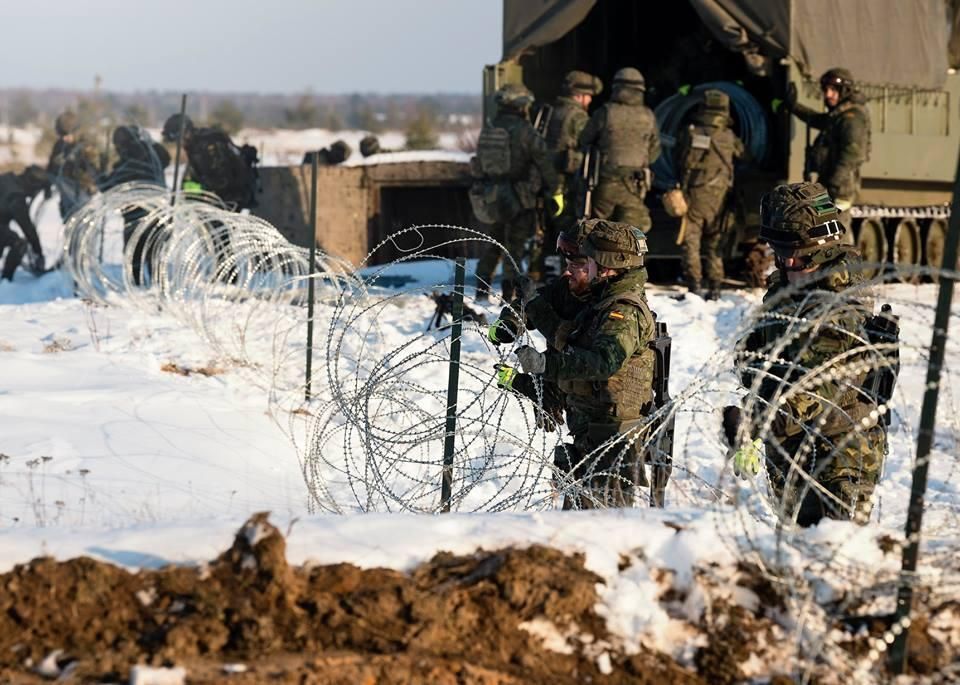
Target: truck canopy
x,y
883,42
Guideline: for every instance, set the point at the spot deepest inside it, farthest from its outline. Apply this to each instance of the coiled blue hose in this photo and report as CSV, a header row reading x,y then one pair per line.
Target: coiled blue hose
x,y
750,123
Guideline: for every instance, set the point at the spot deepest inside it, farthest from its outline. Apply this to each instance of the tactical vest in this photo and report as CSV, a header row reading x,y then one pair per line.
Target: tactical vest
x,y
630,389
824,153
625,140
493,152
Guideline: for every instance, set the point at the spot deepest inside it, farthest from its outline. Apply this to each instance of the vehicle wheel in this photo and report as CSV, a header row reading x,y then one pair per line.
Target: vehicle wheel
x,y
872,245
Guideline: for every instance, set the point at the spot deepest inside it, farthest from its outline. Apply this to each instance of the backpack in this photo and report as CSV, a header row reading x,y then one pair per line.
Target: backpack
x,y
493,151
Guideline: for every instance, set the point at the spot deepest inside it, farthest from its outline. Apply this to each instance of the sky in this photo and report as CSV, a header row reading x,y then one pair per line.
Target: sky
x,y
269,46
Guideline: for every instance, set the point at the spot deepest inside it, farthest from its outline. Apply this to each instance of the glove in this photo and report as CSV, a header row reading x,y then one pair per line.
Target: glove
x,y
684,89
557,201
775,104
505,376
192,187
528,289
532,360
790,98
499,332
842,204
746,460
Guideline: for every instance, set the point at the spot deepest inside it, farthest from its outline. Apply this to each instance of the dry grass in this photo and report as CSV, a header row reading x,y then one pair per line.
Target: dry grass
x,y
209,370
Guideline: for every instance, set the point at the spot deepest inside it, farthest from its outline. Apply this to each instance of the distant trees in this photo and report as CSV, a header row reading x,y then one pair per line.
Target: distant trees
x,y
22,111
422,130
227,116
304,114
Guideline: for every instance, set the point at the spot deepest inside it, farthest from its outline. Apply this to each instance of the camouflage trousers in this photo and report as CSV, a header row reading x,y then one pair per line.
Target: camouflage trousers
x,y
602,477
513,235
847,468
621,199
701,243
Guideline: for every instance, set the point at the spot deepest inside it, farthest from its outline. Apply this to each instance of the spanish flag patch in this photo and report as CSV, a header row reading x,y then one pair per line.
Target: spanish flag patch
x,y
616,315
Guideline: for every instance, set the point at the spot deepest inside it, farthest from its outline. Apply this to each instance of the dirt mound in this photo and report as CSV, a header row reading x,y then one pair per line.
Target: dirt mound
x,y
455,619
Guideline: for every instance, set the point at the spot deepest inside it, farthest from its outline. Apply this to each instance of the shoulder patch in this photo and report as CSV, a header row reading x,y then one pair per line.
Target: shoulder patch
x,y
616,315
700,141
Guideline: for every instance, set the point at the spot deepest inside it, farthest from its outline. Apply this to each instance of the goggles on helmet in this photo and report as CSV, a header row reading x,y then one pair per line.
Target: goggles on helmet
x,y
568,248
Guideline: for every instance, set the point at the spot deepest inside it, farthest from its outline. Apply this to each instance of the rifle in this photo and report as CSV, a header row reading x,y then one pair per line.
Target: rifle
x,y
884,329
660,454
541,122
444,302
589,179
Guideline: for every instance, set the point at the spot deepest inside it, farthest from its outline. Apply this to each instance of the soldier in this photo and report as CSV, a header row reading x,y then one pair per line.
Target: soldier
x,y
338,153
843,144
512,168
602,363
705,154
369,146
139,158
73,164
807,367
16,193
624,133
215,163
567,118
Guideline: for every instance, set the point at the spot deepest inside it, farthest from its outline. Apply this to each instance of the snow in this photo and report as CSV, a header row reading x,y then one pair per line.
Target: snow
x,y
104,453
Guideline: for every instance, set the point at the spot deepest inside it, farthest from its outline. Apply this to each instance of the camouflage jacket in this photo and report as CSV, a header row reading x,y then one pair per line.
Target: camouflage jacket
x,y
14,206
625,132
601,360
146,164
529,156
75,163
806,353
219,166
567,122
705,154
842,146
551,312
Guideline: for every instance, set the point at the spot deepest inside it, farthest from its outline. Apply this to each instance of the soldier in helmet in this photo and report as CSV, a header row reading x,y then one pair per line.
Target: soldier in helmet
x,y
511,169
705,154
16,193
369,146
602,363
568,118
215,163
807,367
843,144
624,133
73,164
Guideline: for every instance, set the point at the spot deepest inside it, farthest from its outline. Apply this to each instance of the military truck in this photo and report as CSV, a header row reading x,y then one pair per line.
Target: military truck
x,y
897,51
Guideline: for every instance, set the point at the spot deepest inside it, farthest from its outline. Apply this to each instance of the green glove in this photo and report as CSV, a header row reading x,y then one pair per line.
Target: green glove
x,y
505,376
776,104
499,332
684,89
557,204
192,187
747,460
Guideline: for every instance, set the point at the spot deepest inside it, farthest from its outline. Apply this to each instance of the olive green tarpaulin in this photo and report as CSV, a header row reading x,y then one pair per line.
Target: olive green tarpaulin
x,y
896,42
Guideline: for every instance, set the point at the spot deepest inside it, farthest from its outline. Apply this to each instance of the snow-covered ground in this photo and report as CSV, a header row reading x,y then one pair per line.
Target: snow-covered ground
x,y
107,450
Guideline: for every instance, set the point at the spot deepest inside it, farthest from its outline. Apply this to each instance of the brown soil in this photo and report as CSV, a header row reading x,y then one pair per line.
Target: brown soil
x,y
455,619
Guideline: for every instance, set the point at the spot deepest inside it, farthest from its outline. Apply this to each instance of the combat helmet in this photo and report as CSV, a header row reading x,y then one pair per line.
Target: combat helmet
x,y
66,123
612,244
628,77
801,220
839,78
369,145
171,127
581,83
515,96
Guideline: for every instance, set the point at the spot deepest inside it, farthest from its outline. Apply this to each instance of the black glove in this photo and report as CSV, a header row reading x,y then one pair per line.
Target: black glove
x,y
732,417
528,289
790,98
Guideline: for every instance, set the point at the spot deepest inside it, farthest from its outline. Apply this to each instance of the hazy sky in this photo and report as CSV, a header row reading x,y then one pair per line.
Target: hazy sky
x,y
330,46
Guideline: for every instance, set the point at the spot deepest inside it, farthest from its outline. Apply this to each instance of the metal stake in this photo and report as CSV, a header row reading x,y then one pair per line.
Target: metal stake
x,y
313,268
453,385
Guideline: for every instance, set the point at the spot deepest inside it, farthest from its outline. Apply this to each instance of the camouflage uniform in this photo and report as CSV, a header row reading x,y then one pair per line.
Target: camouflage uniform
x,y
706,151
804,362
843,143
624,132
602,363
568,118
16,192
530,174
73,165
139,159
